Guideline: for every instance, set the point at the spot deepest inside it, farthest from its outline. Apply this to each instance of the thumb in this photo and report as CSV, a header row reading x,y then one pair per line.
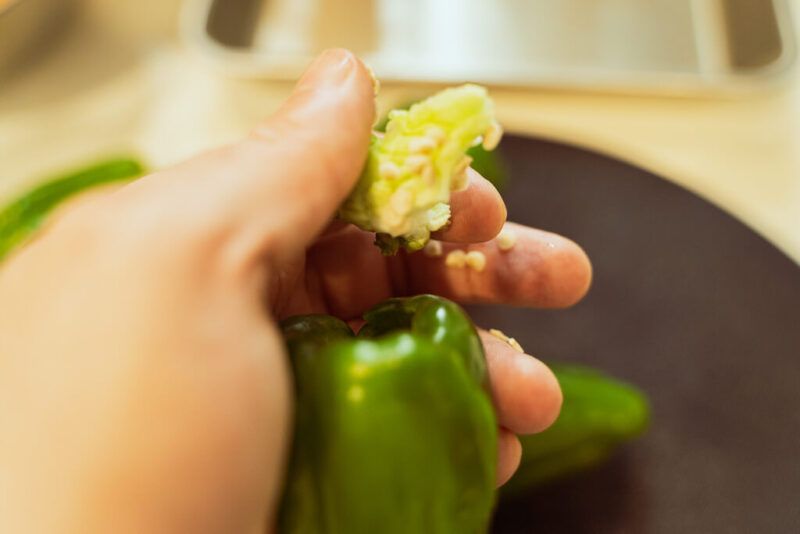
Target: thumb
x,y
273,192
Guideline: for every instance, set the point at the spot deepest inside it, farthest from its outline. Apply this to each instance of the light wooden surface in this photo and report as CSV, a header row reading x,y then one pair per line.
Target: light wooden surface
x,y
119,81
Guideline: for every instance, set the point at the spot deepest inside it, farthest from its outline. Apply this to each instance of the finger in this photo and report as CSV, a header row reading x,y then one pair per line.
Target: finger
x,y
541,270
279,187
477,213
525,392
509,454
352,273
300,163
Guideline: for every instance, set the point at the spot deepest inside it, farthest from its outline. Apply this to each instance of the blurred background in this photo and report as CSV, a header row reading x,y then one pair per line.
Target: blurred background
x,y
703,92
166,78
662,135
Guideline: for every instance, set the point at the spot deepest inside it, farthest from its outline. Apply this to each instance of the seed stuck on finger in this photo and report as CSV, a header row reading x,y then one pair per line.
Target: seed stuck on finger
x,y
515,344
456,258
433,248
492,136
476,260
510,340
506,239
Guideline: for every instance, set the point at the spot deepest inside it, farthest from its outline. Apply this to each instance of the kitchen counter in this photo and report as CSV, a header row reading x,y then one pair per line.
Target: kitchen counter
x,y
117,80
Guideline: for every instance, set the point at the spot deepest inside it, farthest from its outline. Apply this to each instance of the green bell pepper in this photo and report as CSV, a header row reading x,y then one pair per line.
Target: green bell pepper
x,y
20,219
598,414
394,428
416,369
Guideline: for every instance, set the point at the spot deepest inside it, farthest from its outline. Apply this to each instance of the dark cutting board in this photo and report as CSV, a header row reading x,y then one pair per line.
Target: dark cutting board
x,y
697,310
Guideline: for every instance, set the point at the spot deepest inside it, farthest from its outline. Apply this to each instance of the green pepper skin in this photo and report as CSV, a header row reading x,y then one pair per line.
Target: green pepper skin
x,y
598,414
394,429
23,216
435,318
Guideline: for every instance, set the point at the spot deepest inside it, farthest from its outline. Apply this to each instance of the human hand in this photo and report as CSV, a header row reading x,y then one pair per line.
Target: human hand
x,y
143,382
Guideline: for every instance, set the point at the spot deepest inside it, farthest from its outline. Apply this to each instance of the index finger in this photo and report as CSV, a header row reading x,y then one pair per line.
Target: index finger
x,y
541,269
476,214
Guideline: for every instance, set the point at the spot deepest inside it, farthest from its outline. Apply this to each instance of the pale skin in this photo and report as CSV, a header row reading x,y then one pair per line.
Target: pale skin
x,y
143,383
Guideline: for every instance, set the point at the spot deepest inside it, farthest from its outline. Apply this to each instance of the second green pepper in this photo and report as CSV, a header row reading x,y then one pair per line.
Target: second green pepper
x,y
20,219
599,413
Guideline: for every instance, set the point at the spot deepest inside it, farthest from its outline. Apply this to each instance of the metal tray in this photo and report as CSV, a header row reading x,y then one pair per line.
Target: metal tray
x,y
657,46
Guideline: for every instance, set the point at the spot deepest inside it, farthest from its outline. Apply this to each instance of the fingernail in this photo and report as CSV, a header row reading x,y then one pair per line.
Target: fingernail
x,y
331,67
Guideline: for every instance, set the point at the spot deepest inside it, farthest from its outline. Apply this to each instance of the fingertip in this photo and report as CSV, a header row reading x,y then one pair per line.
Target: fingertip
x,y
330,66
546,404
562,274
290,175
526,393
535,407
509,455
574,274
334,95
496,212
478,212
